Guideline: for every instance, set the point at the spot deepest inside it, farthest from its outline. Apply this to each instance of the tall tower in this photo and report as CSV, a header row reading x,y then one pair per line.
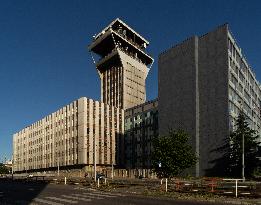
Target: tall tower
x,y
122,64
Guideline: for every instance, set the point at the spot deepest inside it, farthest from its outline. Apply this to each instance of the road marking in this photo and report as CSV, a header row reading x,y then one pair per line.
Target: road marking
x,y
99,194
77,198
46,201
228,192
85,195
79,188
63,200
109,193
33,203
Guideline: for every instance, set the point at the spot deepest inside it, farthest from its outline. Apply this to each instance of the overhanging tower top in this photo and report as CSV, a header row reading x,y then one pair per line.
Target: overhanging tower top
x,y
119,34
116,23
122,64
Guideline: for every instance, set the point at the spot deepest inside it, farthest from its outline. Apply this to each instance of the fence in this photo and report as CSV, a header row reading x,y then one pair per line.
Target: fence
x,y
219,186
132,173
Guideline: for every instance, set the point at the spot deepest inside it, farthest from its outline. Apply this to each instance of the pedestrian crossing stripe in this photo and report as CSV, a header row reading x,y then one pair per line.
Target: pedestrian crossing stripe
x,y
109,193
97,194
46,201
76,198
87,195
62,200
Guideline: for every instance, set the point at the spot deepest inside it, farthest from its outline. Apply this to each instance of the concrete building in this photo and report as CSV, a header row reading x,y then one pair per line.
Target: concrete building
x,y
122,65
203,83
141,125
67,138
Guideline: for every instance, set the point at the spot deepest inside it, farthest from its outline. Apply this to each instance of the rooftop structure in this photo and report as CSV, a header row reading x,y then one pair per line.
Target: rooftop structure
x,y
122,64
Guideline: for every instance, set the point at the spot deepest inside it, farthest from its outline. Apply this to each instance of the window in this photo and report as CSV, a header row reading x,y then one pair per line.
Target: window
x,y
229,45
233,79
240,88
247,97
237,57
241,77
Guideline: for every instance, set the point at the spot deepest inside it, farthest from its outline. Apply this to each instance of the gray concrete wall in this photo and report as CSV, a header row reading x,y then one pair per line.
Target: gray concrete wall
x,y
178,90
193,95
213,95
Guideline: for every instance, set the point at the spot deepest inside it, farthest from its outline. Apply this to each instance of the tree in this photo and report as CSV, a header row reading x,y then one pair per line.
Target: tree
x,y
3,169
251,146
172,154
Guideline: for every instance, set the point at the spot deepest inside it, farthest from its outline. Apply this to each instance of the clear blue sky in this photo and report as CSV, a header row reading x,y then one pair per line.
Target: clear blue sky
x,y
44,63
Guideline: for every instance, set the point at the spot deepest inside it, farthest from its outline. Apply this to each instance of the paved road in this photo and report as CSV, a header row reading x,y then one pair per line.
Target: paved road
x,y
42,194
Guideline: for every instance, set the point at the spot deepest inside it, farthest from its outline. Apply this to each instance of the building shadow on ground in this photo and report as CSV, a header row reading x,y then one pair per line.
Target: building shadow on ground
x,y
20,191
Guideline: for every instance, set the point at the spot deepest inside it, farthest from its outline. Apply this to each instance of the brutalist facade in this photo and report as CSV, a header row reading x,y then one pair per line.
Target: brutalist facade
x,y
203,83
123,65
87,132
78,135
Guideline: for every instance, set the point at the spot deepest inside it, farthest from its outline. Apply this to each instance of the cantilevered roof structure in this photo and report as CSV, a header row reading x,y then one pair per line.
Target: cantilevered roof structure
x,y
121,52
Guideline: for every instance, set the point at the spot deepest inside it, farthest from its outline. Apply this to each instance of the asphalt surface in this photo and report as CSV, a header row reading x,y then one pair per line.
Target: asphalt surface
x,y
12,193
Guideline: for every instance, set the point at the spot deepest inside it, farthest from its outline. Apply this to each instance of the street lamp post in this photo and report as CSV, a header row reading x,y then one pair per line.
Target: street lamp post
x,y
95,174
243,147
112,161
112,170
12,167
243,157
58,171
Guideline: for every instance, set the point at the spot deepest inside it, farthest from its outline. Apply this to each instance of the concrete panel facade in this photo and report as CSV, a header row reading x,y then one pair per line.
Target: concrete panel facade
x,y
203,82
213,96
178,94
76,134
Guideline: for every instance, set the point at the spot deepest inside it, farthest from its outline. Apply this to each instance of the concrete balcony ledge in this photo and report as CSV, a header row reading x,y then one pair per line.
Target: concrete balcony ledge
x,y
107,57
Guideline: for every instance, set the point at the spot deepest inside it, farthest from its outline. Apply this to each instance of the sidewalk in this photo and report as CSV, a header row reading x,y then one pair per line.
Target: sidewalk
x,y
209,197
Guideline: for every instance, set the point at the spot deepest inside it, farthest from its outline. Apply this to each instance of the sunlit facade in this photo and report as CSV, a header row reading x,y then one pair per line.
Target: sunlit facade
x,y
244,89
88,132
122,64
68,137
